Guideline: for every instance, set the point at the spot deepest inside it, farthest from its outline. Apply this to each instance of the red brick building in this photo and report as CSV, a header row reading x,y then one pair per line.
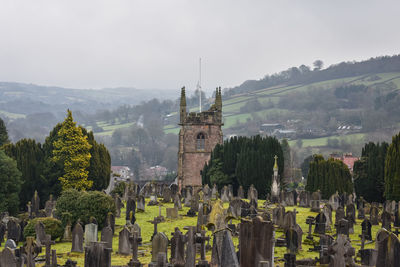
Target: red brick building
x,y
347,159
199,134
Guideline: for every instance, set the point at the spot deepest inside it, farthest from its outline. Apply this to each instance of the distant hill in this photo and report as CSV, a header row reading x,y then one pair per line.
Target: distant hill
x,y
23,99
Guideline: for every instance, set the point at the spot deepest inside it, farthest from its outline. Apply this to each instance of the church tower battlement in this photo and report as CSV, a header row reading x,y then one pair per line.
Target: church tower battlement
x,y
199,134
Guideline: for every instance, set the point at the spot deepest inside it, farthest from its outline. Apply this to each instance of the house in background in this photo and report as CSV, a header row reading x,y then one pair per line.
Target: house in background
x,y
121,173
346,158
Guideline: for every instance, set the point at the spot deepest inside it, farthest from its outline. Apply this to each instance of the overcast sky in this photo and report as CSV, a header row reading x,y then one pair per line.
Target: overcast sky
x,y
157,44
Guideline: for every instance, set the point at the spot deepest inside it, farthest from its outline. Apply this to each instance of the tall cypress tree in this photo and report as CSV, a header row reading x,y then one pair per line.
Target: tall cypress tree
x,y
3,133
392,170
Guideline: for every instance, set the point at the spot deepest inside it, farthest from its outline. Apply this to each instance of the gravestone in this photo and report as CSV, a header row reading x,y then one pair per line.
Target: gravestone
x,y
343,227
110,221
228,253
35,204
177,202
240,193
386,220
134,240
124,246
292,242
361,213
256,242
214,192
172,213
224,194
252,193
130,206
334,201
351,216
40,233
339,251
366,229
315,201
304,199
206,193
374,215
13,230
8,259
235,207
159,244
178,241
190,247
107,236
388,247
77,238
368,257
188,197
141,203
118,206
320,224
327,210
279,215
67,233
10,244
289,221
339,215
90,233
47,243
97,255
167,195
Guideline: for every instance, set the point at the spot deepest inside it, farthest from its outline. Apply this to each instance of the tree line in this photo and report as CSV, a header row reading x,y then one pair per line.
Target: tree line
x,y
70,157
244,161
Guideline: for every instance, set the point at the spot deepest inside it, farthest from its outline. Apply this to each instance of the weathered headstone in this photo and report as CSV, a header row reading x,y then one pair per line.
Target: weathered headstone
x,y
386,220
291,240
388,247
90,233
124,247
374,215
172,213
366,229
141,203
320,224
97,255
13,230
235,207
256,242
240,193
77,238
40,233
167,195
224,194
304,199
177,202
107,236
158,244
343,227
8,259
228,255
35,204
130,206
178,241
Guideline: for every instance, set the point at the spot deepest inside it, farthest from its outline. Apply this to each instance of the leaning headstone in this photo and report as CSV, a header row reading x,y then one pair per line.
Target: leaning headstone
x,y
107,236
97,255
90,233
124,247
77,238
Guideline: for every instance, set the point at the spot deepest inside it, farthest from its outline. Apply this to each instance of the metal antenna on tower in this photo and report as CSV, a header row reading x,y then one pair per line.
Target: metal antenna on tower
x,y
199,84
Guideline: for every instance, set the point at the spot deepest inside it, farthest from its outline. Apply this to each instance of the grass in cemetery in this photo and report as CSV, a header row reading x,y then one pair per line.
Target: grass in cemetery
x,y
168,226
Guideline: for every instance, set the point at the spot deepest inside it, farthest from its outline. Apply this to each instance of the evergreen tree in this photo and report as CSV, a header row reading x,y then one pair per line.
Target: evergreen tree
x,y
369,172
244,161
29,156
328,176
10,180
72,149
3,133
392,170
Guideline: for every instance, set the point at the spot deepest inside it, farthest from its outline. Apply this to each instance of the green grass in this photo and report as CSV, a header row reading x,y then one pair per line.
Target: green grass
x,y
317,142
168,226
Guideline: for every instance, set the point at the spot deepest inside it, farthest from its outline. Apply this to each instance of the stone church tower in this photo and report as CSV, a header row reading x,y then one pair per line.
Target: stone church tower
x,y
199,134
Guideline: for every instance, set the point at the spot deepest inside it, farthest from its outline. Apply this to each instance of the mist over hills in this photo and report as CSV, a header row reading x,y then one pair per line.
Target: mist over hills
x,y
25,99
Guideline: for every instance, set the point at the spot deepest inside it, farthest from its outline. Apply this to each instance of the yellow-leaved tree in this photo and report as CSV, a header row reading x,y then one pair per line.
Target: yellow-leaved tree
x,y
71,149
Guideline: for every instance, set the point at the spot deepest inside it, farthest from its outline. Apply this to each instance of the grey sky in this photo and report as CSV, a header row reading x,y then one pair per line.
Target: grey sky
x,y
156,44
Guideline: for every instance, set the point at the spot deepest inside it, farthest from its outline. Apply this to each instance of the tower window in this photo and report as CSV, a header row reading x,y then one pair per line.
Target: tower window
x,y
200,144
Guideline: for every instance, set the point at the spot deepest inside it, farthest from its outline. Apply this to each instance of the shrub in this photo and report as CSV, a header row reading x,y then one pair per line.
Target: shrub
x,y
119,189
52,227
73,205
